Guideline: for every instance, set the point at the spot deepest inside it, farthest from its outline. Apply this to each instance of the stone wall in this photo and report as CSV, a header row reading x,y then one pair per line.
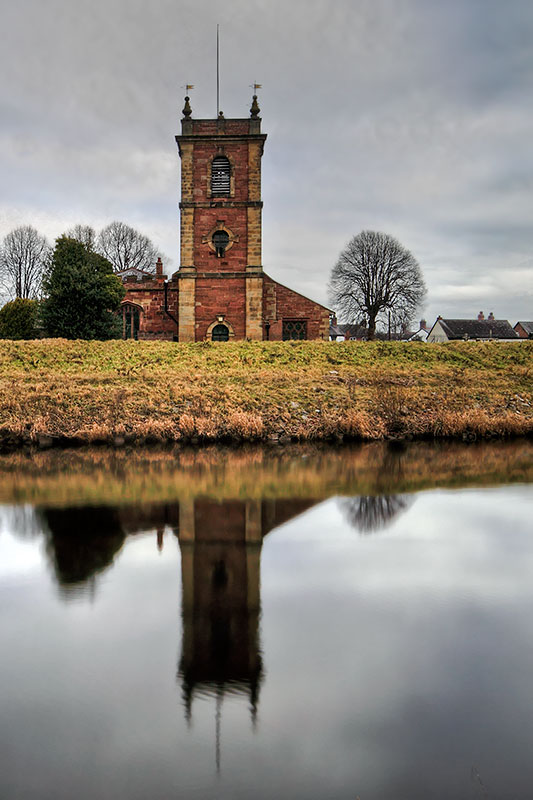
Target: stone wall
x,y
149,294
221,295
281,303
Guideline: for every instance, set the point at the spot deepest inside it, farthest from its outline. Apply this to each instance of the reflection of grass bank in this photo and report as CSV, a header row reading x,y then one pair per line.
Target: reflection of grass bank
x,y
104,476
160,391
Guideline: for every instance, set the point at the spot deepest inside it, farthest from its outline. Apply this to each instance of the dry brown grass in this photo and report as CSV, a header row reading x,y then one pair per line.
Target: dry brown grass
x,y
89,392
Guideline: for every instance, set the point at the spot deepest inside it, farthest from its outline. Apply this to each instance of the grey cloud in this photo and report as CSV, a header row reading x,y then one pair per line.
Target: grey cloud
x,y
412,119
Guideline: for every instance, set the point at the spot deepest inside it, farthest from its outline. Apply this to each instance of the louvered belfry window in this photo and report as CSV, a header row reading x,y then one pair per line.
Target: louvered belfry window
x,y
220,176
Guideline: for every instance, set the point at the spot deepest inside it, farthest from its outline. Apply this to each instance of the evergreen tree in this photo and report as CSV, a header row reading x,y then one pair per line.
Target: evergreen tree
x,y
19,318
81,294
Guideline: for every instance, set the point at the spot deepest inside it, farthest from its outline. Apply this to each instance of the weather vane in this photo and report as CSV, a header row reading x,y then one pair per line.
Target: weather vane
x,y
188,87
255,86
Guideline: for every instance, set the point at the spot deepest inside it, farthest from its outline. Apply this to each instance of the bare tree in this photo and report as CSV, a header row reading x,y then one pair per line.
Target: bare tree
x,y
24,255
375,275
125,248
83,234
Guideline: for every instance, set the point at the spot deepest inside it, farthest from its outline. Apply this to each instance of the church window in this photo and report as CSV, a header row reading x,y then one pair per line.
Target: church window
x,y
220,333
220,176
220,242
294,329
131,318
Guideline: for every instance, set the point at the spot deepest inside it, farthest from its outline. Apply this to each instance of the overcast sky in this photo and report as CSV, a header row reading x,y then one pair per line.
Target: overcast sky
x,y
414,117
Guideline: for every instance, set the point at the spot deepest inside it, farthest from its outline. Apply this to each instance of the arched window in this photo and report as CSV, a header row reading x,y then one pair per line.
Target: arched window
x,y
220,176
220,242
220,333
131,318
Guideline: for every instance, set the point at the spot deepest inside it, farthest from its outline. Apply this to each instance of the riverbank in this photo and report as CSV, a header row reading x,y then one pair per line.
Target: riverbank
x,y
57,392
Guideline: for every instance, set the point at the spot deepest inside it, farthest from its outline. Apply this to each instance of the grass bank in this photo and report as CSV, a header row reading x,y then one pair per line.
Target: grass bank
x,y
57,391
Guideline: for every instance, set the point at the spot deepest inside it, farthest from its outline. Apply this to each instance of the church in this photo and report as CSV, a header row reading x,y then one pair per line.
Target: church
x,y
220,291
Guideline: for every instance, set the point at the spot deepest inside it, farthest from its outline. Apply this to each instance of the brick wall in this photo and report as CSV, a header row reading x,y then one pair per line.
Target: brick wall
x,y
281,303
220,296
149,294
235,220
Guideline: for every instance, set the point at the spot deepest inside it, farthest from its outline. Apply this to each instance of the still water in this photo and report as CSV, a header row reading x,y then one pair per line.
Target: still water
x,y
268,624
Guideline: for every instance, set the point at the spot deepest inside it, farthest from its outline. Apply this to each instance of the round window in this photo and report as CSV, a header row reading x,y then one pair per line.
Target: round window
x,y
220,242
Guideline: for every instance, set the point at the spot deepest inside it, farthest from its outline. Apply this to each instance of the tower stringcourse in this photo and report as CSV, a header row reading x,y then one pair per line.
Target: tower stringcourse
x,y
220,291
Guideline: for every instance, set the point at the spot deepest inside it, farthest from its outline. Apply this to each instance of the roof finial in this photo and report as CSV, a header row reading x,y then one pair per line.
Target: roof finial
x,y
187,110
254,110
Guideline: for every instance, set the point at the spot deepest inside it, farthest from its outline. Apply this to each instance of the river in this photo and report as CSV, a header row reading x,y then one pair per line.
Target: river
x,y
281,623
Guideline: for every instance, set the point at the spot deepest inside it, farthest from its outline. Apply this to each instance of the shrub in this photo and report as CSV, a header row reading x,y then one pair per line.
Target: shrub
x,y
19,319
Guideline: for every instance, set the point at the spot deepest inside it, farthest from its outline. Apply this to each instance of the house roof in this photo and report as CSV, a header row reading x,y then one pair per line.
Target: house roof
x,y
421,334
348,330
129,271
477,329
527,326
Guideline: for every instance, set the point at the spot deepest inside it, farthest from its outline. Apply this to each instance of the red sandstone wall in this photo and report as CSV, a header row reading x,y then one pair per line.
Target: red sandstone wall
x,y
211,127
220,296
205,218
154,323
204,152
281,303
235,220
227,296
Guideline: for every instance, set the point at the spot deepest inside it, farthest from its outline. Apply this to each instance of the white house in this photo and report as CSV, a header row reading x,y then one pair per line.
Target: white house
x,y
480,329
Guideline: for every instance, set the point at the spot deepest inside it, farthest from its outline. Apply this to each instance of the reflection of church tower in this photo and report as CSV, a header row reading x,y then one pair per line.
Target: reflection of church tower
x,y
220,554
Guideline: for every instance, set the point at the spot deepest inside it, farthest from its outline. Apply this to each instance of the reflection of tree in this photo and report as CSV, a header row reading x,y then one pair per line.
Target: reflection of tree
x,y
372,513
81,542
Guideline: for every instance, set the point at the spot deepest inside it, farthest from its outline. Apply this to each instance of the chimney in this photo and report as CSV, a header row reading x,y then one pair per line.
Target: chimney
x,y
159,266
491,317
480,316
423,325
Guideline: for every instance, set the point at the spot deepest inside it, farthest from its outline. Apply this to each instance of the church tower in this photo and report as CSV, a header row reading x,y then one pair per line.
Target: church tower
x,y
220,279
220,291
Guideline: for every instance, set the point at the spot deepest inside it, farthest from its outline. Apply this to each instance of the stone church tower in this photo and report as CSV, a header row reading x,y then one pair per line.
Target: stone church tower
x,y
220,291
221,276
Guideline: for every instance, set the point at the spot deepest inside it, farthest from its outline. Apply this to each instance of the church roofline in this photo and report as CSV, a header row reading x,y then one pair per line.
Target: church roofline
x,y
329,310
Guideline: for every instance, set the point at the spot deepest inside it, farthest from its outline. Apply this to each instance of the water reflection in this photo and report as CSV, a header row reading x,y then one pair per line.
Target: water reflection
x,y
366,664
369,514
220,544
81,543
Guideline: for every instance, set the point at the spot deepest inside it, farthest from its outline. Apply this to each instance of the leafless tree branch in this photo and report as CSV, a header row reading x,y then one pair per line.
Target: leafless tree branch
x,y
373,275
83,234
24,255
125,248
